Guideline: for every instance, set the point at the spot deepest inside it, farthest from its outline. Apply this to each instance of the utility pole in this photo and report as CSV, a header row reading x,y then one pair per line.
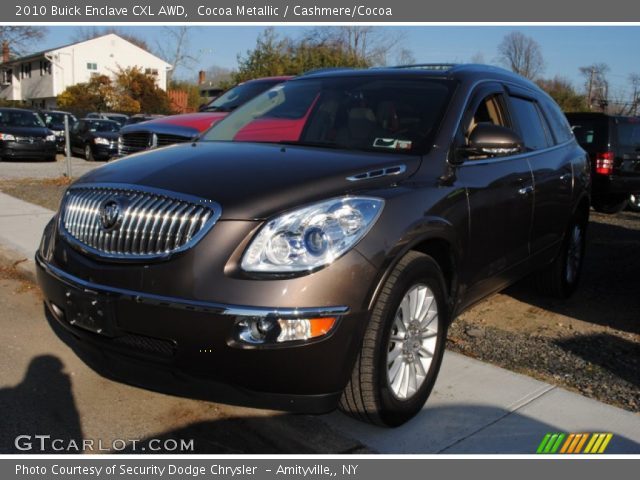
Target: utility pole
x,y
593,72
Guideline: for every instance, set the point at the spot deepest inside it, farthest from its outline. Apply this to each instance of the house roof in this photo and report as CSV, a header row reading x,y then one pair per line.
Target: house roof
x,y
41,53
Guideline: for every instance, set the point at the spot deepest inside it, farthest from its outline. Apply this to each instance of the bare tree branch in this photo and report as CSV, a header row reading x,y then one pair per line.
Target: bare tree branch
x,y
176,49
522,55
21,38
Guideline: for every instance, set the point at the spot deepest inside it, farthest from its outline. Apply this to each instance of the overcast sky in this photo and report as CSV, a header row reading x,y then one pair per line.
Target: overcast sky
x,y
565,48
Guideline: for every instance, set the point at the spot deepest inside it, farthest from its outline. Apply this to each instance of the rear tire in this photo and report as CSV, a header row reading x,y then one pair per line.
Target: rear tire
x,y
395,370
610,204
634,202
560,279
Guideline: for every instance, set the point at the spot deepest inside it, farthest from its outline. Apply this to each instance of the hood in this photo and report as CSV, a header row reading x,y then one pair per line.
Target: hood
x,y
26,131
252,180
199,121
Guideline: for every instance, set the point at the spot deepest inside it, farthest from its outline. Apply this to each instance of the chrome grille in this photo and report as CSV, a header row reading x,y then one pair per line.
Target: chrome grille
x,y
134,142
166,139
131,223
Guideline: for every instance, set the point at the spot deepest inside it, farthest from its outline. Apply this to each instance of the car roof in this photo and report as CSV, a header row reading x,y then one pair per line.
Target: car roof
x,y
89,119
14,109
430,70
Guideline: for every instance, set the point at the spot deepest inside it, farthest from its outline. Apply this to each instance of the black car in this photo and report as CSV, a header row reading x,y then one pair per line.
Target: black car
x,y
95,139
23,135
312,248
54,120
613,144
119,118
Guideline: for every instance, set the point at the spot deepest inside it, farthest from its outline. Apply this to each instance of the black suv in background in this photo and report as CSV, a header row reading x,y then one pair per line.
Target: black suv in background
x,y
54,120
613,145
23,135
317,242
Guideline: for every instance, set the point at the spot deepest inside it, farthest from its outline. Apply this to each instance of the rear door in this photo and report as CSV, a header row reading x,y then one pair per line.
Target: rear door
x,y
551,165
500,199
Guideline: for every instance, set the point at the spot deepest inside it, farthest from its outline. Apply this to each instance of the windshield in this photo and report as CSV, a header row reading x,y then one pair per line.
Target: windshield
x,y
58,118
119,119
17,118
629,132
103,126
239,95
366,113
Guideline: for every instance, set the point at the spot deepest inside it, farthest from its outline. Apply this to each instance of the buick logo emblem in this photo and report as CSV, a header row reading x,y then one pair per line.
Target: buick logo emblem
x,y
111,213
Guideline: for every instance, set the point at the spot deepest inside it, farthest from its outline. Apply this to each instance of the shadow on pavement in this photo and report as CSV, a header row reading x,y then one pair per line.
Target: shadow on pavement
x,y
608,290
42,404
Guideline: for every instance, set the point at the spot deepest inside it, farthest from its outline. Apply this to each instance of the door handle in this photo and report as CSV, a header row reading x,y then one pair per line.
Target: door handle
x,y
566,177
526,190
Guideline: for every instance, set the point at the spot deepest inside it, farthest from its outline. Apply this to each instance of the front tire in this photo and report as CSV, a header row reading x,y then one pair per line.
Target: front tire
x,y
634,202
402,347
88,153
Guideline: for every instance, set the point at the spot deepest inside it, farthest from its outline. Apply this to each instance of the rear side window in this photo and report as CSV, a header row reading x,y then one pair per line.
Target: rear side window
x,y
628,132
589,132
532,126
558,122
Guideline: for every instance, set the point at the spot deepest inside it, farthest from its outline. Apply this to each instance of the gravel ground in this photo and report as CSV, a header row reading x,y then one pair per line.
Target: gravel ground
x,y
35,169
589,343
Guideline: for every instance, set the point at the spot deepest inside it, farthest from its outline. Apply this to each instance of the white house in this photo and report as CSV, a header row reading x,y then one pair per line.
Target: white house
x,y
40,77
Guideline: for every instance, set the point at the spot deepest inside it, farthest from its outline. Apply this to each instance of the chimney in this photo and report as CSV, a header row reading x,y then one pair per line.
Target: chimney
x,y
6,53
201,77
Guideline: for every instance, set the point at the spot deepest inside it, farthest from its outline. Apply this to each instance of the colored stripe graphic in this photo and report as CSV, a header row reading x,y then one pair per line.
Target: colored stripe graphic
x,y
573,443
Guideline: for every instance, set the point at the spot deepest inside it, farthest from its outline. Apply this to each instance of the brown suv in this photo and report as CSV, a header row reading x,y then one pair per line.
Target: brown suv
x,y
311,249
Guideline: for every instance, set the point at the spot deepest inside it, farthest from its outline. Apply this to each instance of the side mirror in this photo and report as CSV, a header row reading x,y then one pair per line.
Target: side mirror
x,y
491,140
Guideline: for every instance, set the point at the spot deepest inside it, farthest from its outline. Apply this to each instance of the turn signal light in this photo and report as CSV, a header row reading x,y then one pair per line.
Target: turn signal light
x,y
271,330
604,163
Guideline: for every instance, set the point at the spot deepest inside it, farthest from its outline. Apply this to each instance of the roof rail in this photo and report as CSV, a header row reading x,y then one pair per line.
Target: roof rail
x,y
427,66
325,70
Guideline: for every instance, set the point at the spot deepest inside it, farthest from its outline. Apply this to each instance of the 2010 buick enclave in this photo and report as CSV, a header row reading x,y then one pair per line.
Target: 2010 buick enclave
x,y
313,247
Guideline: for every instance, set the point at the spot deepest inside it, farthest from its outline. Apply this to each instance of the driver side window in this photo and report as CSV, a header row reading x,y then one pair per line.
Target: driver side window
x,y
489,110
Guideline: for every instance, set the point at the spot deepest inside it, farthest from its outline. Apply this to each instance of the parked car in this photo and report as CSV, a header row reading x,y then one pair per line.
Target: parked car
x,y
54,120
613,144
141,117
186,127
95,139
320,264
23,135
119,118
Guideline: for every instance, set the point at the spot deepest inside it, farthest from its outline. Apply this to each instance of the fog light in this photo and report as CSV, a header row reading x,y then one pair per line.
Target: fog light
x,y
57,311
271,330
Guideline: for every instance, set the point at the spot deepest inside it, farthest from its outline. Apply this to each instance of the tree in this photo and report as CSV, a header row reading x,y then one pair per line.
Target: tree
x,y
216,75
521,54
368,44
132,87
87,33
176,49
596,85
21,38
634,80
564,93
94,95
193,93
275,55
405,57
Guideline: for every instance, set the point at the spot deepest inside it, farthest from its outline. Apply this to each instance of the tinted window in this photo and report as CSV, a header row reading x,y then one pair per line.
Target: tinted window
x,y
103,126
386,115
628,132
531,124
559,124
490,110
589,131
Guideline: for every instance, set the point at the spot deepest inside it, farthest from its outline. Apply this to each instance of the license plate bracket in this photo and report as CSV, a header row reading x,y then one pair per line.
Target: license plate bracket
x,y
90,311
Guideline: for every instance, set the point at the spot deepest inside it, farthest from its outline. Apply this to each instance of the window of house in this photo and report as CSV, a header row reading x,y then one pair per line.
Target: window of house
x,y
151,71
25,70
7,76
45,67
92,66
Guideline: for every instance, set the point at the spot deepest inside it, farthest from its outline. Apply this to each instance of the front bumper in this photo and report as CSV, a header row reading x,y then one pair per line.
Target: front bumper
x,y
183,347
105,152
35,150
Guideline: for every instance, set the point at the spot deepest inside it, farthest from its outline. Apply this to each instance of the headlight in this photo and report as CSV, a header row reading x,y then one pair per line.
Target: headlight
x,y
58,133
101,141
50,138
312,236
6,136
